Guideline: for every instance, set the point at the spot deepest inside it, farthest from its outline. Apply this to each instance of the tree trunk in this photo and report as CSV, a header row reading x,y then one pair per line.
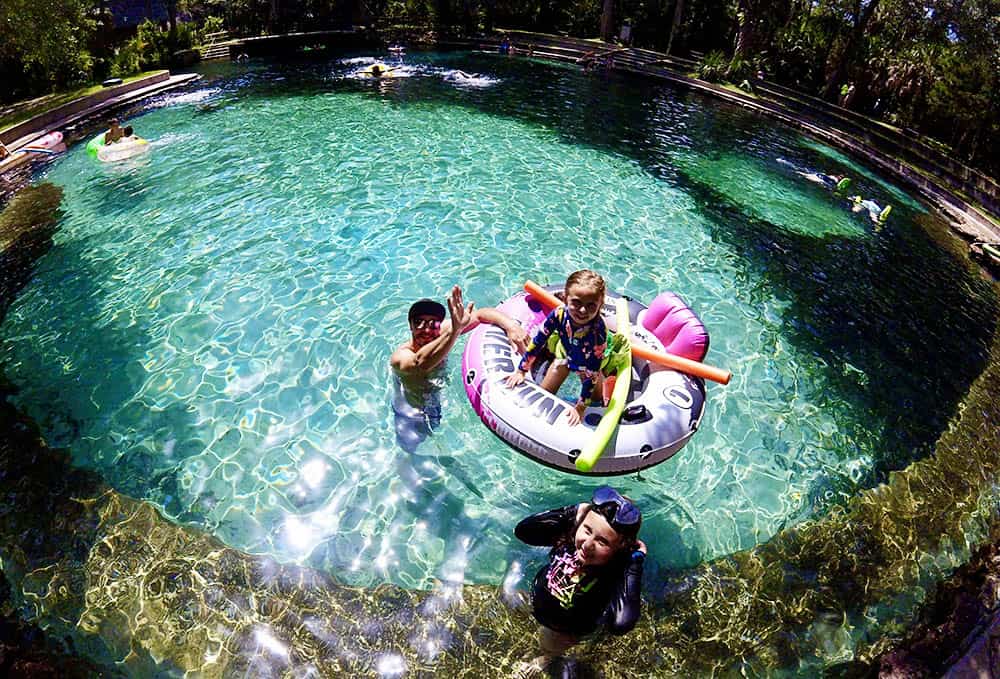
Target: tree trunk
x,y
491,6
678,16
442,15
272,18
608,21
843,59
747,34
172,15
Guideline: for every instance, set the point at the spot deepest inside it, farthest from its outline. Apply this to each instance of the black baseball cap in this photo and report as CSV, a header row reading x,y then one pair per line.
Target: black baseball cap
x,y
426,307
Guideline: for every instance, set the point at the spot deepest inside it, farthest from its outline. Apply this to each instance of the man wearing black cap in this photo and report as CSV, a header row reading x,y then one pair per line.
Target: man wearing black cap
x,y
432,337
418,360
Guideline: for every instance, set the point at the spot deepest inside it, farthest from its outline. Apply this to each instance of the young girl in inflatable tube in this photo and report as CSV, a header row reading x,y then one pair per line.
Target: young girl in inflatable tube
x,y
594,574
575,334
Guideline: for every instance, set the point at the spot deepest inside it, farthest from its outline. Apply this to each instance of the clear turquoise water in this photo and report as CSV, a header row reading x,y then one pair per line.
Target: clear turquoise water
x,y
212,328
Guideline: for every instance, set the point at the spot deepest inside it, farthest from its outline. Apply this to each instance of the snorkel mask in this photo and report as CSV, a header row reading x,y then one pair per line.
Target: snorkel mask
x,y
620,512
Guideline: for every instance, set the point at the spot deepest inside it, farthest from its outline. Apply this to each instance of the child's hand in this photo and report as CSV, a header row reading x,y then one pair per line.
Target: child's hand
x,y
575,414
514,379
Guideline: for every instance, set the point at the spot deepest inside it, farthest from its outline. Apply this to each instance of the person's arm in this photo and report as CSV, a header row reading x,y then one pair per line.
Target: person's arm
x,y
429,356
515,333
538,342
544,528
622,612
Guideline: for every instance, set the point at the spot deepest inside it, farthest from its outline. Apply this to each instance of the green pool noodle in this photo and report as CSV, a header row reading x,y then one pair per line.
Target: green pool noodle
x,y
609,423
95,144
843,185
884,214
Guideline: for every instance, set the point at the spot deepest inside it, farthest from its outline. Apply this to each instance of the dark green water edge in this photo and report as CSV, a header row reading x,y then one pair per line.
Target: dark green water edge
x,y
109,578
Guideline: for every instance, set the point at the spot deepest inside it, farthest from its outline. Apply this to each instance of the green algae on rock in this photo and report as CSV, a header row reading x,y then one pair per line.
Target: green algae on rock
x,y
26,228
839,589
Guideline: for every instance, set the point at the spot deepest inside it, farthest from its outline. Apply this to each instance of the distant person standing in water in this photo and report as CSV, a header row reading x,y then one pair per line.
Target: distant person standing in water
x,y
418,363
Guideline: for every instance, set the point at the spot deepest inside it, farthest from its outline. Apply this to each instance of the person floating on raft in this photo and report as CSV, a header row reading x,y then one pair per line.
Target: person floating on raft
x,y
837,183
651,413
117,143
575,334
114,133
876,212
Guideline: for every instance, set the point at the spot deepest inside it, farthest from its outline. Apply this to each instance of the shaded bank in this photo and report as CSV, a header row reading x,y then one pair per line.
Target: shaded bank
x,y
839,589
957,624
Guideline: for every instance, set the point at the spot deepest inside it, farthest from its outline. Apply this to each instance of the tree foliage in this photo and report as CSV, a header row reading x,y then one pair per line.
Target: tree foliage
x,y
44,45
932,65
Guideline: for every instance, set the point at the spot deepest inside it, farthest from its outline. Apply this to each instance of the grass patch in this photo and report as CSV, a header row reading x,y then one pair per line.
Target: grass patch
x,y
18,112
737,89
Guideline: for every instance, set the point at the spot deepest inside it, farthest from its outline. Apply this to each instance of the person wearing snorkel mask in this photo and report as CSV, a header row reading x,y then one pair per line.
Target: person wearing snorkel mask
x,y
593,576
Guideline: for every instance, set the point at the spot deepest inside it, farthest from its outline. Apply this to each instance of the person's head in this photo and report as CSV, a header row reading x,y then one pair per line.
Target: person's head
x,y
376,70
114,123
609,528
425,319
584,295
128,130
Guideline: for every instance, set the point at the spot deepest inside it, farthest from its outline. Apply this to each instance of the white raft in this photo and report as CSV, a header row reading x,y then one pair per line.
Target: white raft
x,y
664,406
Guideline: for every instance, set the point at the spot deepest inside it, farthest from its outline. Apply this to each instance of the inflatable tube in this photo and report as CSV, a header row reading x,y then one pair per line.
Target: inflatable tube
x,y
661,412
47,145
52,142
843,185
123,149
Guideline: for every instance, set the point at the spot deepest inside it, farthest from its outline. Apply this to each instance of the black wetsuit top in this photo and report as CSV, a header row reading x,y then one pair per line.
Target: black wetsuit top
x,y
608,595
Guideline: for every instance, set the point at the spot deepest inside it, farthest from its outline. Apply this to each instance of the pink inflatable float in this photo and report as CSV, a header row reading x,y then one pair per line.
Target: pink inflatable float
x,y
48,145
52,143
664,406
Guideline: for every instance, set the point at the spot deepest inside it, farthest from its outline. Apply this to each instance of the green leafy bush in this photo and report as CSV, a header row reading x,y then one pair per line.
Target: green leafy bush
x,y
714,67
740,70
127,60
151,47
212,24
